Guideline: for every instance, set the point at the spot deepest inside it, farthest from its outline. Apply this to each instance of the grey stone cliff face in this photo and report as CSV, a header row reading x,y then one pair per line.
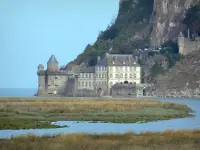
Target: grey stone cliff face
x,y
183,80
167,17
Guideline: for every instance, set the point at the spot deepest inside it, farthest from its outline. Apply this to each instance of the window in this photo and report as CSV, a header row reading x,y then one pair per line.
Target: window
x,y
125,75
116,76
89,84
79,83
134,75
111,76
56,77
86,84
86,75
111,84
82,84
89,75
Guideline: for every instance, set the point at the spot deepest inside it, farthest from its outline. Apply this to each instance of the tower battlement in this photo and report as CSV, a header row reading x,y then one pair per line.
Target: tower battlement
x,y
188,45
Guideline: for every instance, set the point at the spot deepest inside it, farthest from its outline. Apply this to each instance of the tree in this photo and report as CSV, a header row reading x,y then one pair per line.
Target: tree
x,y
192,18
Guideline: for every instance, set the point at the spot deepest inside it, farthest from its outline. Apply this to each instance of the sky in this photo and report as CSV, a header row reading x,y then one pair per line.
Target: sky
x,y
32,30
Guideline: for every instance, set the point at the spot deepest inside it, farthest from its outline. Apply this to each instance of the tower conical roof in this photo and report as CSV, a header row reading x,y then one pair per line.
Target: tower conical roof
x,y
52,59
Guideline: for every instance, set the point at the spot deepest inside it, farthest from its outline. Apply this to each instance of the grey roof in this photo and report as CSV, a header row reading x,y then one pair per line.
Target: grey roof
x,y
103,62
75,69
40,66
87,70
52,59
118,60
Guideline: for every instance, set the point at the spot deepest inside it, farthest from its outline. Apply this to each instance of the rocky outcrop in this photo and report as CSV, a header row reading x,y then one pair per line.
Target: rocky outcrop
x,y
183,80
167,17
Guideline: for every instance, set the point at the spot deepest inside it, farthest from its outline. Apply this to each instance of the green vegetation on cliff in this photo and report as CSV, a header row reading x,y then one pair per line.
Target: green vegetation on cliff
x,y
130,30
192,18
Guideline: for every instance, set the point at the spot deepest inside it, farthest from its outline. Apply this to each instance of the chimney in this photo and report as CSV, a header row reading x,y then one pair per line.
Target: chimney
x,y
188,33
136,59
98,58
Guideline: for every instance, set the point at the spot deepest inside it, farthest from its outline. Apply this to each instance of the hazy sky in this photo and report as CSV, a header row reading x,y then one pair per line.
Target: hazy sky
x,y
32,30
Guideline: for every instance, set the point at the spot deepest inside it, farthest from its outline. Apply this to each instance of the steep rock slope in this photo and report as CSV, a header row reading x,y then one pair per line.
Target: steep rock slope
x,y
182,80
139,24
167,19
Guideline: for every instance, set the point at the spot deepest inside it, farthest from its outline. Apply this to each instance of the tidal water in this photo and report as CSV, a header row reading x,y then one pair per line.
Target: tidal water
x,y
87,127
17,92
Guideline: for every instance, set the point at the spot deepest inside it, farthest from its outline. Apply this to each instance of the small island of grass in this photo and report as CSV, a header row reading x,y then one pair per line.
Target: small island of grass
x,y
25,124
33,111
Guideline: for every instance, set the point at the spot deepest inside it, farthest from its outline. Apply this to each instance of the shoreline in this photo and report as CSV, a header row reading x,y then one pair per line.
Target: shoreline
x,y
88,109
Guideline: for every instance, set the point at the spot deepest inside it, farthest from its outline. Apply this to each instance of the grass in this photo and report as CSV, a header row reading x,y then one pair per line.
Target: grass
x,y
25,124
108,110
183,140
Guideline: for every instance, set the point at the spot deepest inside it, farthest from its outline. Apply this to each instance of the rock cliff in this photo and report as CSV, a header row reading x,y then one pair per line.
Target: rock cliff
x,y
167,18
182,80
139,24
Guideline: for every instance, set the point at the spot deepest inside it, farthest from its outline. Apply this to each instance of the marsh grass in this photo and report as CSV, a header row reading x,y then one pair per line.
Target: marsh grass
x,y
25,124
183,140
74,109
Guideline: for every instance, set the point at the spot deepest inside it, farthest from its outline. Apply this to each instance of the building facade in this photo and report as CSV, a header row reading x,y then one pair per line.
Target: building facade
x,y
188,45
88,81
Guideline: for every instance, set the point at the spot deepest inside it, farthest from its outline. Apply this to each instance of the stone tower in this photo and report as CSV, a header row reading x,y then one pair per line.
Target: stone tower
x,y
181,43
40,68
41,80
52,64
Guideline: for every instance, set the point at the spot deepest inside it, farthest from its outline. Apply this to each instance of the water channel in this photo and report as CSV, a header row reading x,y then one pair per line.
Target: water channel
x,y
89,127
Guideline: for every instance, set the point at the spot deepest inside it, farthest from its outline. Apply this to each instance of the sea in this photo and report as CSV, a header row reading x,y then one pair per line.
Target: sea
x,y
17,92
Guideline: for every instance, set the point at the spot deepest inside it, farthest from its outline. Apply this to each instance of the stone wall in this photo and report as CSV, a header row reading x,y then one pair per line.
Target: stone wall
x,y
85,93
124,90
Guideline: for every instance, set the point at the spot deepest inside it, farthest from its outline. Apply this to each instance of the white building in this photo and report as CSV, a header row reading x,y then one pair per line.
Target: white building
x,y
112,69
